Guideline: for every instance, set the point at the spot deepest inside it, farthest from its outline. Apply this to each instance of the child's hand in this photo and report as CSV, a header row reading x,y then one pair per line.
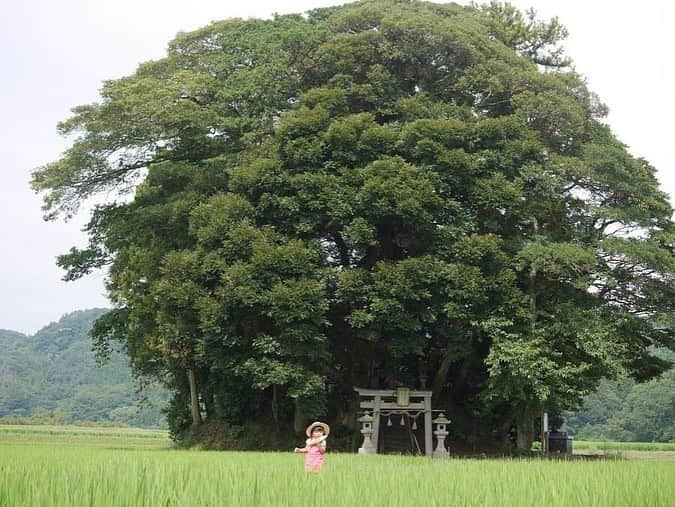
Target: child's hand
x,y
296,450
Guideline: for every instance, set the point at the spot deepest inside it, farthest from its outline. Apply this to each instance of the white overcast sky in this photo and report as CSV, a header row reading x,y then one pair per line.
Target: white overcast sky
x,y
55,54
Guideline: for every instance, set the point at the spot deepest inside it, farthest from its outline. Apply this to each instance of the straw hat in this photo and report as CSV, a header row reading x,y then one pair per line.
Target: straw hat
x,y
326,428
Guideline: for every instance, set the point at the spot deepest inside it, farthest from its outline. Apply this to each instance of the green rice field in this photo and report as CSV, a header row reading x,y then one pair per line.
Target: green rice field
x,y
623,446
54,466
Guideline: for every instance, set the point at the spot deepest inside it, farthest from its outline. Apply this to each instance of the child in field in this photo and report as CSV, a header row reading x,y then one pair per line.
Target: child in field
x,y
315,446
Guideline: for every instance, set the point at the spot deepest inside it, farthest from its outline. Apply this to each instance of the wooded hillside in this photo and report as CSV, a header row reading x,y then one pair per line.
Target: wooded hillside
x,y
55,370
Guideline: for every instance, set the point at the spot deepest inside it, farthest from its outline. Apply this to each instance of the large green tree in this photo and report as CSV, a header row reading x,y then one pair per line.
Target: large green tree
x,y
367,194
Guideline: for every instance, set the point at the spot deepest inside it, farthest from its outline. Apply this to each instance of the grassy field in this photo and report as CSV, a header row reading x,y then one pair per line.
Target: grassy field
x,y
627,450
83,435
101,467
623,446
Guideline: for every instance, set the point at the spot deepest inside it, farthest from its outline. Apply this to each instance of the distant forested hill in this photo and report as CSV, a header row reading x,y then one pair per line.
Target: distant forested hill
x,y
7,338
55,370
626,411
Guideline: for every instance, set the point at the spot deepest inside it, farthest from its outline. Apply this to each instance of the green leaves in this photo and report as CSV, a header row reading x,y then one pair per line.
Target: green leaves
x,y
217,220
394,190
555,259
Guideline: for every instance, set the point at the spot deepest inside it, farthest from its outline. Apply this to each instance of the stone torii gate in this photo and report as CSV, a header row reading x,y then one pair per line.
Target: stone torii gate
x,y
397,401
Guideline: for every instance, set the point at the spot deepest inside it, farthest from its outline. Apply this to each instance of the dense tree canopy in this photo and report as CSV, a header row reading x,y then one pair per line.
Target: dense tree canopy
x,y
370,194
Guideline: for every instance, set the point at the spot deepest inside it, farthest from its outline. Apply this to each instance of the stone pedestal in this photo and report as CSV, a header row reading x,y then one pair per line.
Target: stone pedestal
x,y
440,433
367,431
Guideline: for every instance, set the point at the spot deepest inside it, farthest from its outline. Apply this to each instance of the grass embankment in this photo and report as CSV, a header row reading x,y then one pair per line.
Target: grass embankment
x,y
117,468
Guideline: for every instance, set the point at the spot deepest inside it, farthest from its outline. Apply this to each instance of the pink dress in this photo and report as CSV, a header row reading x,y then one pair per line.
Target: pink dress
x,y
314,457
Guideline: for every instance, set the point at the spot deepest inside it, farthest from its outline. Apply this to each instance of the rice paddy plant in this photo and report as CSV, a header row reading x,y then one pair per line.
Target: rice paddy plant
x,y
126,433
83,436
623,446
55,474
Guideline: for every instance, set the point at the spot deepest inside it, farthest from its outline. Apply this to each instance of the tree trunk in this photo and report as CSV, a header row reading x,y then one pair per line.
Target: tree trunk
x,y
525,428
533,296
525,416
275,405
440,377
209,401
460,384
346,416
298,418
533,286
194,398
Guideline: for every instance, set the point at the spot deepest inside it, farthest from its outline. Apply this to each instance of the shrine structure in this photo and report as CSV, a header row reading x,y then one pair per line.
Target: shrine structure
x,y
409,406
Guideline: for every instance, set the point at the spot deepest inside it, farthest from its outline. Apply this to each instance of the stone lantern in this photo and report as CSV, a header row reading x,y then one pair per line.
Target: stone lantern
x,y
367,447
441,432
